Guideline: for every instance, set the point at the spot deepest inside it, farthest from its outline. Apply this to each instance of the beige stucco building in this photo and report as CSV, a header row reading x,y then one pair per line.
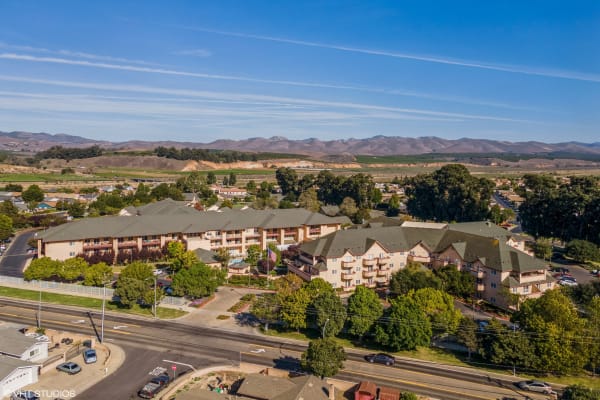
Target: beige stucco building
x,y
496,257
153,226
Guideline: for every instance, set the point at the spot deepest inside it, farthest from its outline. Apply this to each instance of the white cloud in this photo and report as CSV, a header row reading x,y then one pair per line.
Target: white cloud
x,y
78,54
82,63
194,52
518,69
254,98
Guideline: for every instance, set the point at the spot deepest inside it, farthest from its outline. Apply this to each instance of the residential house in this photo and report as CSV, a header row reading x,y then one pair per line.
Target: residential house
x,y
17,345
264,387
16,374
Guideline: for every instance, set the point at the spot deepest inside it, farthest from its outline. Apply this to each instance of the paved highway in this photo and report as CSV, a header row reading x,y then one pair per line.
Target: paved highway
x,y
145,340
13,260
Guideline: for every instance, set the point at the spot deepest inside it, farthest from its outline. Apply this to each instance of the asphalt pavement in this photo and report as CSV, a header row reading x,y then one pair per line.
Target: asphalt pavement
x,y
12,263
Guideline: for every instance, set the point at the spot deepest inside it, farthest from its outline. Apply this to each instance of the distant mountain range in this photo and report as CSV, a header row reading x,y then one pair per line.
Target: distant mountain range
x,y
375,146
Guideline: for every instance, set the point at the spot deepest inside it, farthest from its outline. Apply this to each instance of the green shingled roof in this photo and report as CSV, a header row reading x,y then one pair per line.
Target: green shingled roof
x,y
489,247
143,225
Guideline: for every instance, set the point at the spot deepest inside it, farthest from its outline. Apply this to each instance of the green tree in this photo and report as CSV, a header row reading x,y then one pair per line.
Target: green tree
x,y
251,187
509,347
406,326
223,256
309,200
143,194
592,327
266,308
293,308
197,280
543,248
582,251
33,194
324,357
457,283
211,178
253,254
439,308
348,207
42,268
329,313
164,191
580,392
97,275
8,208
449,194
76,209
393,206
232,179
413,277
179,257
135,284
496,214
72,268
409,396
287,179
13,187
555,329
364,309
6,227
467,335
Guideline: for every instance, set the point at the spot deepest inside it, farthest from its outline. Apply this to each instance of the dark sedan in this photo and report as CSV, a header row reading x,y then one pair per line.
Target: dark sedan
x,y
381,358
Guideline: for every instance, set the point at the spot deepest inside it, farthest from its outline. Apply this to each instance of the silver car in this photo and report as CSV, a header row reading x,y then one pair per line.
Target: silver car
x,y
535,386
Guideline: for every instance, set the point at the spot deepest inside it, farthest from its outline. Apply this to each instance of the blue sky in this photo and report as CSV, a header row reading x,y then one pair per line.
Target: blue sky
x,y
200,71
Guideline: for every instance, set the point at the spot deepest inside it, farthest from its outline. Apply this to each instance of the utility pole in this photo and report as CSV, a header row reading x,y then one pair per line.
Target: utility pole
x,y
40,307
103,307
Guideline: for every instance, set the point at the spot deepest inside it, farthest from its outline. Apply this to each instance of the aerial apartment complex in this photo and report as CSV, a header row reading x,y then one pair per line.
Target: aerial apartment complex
x,y
496,257
154,225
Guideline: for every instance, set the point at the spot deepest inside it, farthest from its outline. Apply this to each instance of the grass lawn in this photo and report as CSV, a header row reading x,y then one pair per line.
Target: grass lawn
x,y
86,302
433,355
50,177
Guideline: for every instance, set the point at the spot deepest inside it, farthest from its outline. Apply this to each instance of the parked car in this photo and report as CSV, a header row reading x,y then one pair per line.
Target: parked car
x,y
24,395
567,282
381,358
89,356
162,380
69,367
150,390
535,386
168,290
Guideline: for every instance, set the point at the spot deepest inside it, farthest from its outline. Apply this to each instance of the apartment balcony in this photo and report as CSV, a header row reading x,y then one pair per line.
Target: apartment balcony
x,y
314,232
234,236
348,264
383,260
347,276
369,263
349,288
480,274
382,272
273,237
385,267
480,287
129,243
369,274
302,273
370,284
97,246
153,242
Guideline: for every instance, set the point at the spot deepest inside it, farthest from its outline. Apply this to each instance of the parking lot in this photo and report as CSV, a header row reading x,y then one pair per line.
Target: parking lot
x,y
57,384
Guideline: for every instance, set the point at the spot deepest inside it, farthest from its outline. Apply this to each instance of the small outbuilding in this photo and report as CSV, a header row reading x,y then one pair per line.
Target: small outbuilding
x,y
16,374
366,391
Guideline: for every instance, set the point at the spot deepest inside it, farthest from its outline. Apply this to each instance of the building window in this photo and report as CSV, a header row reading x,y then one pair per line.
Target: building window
x,y
348,258
493,285
381,255
357,269
72,254
369,256
334,271
493,299
493,272
71,243
526,289
358,257
358,281
334,260
514,290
